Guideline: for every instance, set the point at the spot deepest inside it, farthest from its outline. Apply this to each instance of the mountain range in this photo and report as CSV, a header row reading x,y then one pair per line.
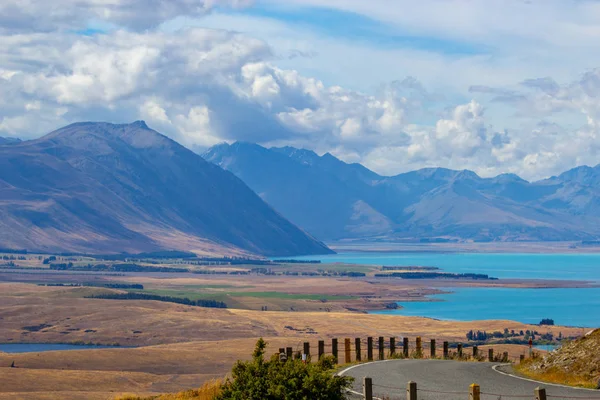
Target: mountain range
x,y
105,188
7,140
334,200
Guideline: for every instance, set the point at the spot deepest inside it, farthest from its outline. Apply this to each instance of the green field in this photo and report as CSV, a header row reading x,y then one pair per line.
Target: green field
x,y
227,295
213,287
288,296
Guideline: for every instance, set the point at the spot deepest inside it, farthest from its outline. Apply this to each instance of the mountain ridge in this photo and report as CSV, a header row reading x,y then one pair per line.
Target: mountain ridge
x,y
101,187
8,140
426,203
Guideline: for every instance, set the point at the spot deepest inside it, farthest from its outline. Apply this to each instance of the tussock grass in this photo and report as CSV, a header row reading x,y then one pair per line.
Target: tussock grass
x,y
575,363
208,391
555,375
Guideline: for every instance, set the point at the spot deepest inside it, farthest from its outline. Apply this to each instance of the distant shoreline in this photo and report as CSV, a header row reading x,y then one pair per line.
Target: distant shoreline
x,y
491,247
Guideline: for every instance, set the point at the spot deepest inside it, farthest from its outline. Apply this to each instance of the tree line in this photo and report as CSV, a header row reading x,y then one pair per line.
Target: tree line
x,y
434,275
100,285
482,336
168,299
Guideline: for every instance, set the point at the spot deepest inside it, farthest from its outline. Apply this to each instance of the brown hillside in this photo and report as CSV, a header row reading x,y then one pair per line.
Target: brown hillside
x,y
105,188
575,363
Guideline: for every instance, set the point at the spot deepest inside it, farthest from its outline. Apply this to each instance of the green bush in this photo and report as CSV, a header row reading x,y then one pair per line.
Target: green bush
x,y
259,379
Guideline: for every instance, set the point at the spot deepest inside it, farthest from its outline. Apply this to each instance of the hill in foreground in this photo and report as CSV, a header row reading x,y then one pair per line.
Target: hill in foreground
x,y
574,363
105,188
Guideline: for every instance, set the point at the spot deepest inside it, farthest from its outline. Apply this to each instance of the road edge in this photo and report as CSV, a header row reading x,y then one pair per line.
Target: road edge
x,y
342,372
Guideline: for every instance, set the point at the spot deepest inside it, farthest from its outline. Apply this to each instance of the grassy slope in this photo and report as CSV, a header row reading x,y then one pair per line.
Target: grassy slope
x,y
576,363
208,391
204,342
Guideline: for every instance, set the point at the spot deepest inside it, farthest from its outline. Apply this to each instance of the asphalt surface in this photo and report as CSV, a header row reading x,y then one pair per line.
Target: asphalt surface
x,y
446,380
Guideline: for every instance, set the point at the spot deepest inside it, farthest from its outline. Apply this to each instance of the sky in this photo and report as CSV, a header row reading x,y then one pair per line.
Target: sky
x,y
494,86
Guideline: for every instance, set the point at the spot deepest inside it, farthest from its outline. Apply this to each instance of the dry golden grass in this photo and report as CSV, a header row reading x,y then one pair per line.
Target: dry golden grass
x,y
208,391
555,375
575,363
197,344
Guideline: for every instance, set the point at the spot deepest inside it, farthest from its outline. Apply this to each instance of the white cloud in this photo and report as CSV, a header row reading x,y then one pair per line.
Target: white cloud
x,y
204,86
49,15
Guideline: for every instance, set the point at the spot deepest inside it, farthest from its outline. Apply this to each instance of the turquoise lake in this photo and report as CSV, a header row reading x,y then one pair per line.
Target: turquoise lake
x,y
573,307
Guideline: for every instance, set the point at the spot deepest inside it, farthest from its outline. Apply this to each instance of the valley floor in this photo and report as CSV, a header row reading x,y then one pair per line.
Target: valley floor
x,y
183,346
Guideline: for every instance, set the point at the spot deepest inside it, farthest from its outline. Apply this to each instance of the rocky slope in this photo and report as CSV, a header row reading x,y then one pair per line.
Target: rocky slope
x,y
576,362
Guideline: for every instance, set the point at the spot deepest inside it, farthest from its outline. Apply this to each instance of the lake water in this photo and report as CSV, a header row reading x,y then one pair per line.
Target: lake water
x,y
546,347
573,307
39,347
529,266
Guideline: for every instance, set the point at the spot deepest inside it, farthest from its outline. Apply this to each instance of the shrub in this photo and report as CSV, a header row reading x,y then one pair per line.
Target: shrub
x,y
259,379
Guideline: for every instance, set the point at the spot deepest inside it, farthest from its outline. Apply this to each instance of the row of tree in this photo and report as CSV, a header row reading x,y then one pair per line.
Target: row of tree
x,y
168,299
13,258
481,336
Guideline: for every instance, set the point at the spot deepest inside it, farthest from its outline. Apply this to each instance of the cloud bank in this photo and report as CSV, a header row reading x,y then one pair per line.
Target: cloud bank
x,y
204,86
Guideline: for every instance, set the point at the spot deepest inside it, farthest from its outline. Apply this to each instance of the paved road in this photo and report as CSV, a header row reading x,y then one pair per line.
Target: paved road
x,y
390,379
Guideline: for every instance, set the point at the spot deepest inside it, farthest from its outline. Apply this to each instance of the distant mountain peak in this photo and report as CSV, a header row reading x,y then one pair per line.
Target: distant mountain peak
x,y
86,135
139,124
303,155
9,140
508,177
466,174
244,145
583,175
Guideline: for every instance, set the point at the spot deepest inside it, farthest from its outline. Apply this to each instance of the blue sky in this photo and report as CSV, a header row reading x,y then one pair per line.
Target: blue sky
x,y
356,27
490,85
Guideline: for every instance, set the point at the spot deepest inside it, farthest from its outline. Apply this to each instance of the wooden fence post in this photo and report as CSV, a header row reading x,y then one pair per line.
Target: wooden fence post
x,y
475,352
321,348
474,392
419,346
289,352
445,350
334,349
307,350
348,351
392,346
357,349
491,355
459,350
521,358
368,388
505,357
405,347
432,348
540,393
411,391
370,348
381,347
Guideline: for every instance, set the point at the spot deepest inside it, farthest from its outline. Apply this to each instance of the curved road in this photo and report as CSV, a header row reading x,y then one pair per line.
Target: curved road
x,y
432,376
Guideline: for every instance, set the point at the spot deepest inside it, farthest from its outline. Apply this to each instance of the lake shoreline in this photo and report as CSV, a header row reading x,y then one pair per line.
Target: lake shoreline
x,y
549,248
41,347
